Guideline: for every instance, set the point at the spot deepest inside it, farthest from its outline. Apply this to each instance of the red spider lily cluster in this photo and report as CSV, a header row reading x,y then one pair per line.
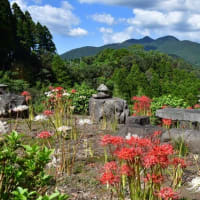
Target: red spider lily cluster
x,y
44,135
141,105
58,95
142,164
48,112
27,95
196,106
167,122
167,193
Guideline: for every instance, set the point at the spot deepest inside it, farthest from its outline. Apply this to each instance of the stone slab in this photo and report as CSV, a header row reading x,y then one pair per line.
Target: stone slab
x,y
141,120
192,115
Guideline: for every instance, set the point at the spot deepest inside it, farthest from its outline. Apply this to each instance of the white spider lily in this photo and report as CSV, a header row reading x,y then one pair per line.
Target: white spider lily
x,y
20,108
195,184
84,121
64,128
40,118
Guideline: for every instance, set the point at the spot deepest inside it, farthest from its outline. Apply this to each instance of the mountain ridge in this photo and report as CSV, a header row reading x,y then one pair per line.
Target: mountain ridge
x,y
186,49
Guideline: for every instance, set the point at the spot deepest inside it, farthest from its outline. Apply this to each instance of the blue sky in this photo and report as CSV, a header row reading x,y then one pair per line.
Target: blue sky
x,y
77,23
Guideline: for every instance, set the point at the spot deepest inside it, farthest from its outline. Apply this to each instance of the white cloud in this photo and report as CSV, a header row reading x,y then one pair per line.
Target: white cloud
x,y
59,20
114,37
105,30
103,18
20,3
157,18
77,32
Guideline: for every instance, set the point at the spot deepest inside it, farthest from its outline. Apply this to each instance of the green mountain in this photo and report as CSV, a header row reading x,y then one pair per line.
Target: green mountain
x,y
184,49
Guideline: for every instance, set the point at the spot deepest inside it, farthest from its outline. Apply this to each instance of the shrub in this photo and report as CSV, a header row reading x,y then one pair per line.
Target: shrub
x,y
167,100
22,166
80,99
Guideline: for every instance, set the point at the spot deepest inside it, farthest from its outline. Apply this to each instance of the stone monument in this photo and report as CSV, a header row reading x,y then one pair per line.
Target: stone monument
x,y
103,105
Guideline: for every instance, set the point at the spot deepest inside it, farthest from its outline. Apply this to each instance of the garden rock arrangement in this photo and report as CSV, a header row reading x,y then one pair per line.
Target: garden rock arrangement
x,y
9,101
102,105
188,121
138,125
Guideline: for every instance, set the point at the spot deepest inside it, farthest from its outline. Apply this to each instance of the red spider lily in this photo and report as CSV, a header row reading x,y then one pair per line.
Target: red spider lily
x,y
44,135
126,170
154,178
73,91
48,112
110,166
128,153
59,89
157,133
109,139
51,88
164,106
167,194
196,106
164,149
167,122
142,105
58,95
179,162
189,107
25,93
109,178
150,160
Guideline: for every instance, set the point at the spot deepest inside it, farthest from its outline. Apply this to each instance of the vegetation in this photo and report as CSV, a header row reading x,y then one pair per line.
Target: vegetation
x,y
181,49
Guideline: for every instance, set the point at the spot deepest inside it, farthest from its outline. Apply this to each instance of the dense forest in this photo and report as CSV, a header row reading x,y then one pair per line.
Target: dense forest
x,y
29,60
26,48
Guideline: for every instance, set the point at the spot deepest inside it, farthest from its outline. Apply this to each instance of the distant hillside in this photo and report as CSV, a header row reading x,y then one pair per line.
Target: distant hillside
x,y
185,49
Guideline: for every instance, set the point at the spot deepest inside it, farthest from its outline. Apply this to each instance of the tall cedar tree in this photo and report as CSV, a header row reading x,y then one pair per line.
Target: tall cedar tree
x,y
6,34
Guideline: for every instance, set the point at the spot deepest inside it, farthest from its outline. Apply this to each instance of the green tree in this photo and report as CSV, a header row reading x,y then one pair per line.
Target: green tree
x,y
6,34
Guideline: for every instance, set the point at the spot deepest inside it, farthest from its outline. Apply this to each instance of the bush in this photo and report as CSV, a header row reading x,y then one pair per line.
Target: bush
x,y
22,166
167,100
80,99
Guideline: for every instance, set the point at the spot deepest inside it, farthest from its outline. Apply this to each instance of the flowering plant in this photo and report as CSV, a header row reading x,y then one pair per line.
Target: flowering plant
x,y
141,105
141,164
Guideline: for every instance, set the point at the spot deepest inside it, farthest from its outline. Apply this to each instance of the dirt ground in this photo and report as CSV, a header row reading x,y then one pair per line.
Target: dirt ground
x,y
83,183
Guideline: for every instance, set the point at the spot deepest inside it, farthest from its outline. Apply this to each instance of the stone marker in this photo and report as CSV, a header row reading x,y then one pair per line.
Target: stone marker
x,y
102,105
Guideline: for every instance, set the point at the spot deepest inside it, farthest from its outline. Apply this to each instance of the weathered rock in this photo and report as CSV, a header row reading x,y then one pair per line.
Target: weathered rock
x,y
136,129
191,137
102,88
103,92
141,120
9,101
192,115
110,108
101,95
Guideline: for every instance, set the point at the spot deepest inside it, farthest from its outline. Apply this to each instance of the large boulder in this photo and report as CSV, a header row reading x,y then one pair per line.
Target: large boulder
x,y
109,108
191,137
